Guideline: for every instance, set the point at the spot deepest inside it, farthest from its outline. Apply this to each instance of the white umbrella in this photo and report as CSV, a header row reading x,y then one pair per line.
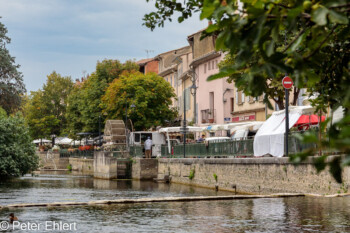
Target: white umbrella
x,y
36,141
64,141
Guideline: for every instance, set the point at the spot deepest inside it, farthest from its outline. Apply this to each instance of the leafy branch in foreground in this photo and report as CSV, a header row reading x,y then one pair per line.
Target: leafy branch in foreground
x,y
308,40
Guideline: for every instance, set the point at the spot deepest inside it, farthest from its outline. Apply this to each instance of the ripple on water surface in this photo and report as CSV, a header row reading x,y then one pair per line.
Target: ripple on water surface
x,y
296,214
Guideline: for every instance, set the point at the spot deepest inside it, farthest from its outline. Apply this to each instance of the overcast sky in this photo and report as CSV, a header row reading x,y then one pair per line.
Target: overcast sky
x,y
70,36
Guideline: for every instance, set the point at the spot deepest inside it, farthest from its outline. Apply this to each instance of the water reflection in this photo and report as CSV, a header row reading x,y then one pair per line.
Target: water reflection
x,y
75,187
297,214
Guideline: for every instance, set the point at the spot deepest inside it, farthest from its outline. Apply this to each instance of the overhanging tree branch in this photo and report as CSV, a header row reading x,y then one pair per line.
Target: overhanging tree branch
x,y
320,45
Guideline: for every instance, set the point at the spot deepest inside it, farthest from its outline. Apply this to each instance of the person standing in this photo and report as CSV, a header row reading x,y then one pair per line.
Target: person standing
x,y
148,148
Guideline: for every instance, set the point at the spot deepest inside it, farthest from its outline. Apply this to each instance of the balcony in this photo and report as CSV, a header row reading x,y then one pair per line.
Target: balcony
x,y
208,116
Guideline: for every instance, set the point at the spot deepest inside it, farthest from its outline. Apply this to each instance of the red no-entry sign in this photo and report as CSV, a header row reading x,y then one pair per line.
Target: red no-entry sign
x,y
287,82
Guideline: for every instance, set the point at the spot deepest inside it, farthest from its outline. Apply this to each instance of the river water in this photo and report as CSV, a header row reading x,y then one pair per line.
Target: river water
x,y
297,214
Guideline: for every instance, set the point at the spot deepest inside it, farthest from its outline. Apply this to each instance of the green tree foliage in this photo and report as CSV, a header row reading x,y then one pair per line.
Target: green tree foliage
x,y
75,123
84,107
17,153
150,94
308,40
11,80
45,110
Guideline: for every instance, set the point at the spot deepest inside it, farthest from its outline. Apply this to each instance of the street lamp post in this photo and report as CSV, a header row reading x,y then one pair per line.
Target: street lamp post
x,y
133,106
194,93
99,129
184,125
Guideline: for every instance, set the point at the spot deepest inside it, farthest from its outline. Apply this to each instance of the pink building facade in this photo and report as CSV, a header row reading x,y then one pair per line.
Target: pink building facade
x,y
215,99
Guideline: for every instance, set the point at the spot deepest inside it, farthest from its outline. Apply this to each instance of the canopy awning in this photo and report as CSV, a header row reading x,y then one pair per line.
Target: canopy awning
x,y
64,141
309,119
177,129
36,141
270,137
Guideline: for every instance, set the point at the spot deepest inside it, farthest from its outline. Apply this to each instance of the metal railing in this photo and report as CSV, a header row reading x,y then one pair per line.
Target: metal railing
x,y
64,153
237,148
208,116
212,149
135,151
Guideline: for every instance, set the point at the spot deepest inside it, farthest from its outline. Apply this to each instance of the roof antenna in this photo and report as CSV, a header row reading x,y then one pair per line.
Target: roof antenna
x,y
148,51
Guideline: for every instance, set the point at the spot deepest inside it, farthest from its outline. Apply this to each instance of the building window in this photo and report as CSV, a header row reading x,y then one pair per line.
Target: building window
x,y
232,104
212,64
216,63
240,97
171,80
205,68
211,100
208,65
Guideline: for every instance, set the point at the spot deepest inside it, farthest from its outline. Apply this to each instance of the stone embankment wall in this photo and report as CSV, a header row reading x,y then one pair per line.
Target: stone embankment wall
x,y
144,169
253,175
85,166
105,165
52,160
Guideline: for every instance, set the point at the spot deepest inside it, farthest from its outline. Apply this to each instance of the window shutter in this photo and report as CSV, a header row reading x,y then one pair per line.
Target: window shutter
x,y
243,96
240,95
236,96
261,98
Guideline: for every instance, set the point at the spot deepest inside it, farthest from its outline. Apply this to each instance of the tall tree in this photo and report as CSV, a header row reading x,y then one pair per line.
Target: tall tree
x,y
87,96
11,80
150,94
45,111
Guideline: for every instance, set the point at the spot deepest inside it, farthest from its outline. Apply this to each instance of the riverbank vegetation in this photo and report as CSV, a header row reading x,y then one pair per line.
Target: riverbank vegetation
x,y
17,152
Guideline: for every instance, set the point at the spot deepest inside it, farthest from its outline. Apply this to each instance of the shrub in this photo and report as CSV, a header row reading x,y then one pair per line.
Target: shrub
x,y
17,152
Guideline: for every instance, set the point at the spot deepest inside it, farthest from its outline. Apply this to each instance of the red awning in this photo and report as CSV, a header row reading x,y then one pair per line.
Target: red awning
x,y
309,119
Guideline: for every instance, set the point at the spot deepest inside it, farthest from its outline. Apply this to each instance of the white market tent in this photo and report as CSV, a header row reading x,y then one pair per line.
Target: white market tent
x,y
64,141
177,129
337,115
241,131
37,141
270,137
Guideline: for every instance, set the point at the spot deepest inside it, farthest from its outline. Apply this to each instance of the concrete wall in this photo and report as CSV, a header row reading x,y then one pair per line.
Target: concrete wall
x,y
144,169
85,166
256,175
52,160
202,46
105,165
